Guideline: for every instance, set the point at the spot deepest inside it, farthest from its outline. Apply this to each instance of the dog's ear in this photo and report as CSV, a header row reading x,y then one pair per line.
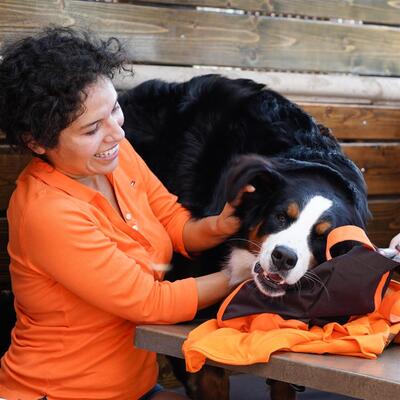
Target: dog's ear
x,y
251,169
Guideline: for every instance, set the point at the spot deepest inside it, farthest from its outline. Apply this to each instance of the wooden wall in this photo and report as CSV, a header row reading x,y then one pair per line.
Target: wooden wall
x,y
327,41
177,33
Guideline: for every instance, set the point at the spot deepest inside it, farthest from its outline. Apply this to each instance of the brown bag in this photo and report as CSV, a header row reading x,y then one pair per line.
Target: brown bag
x,y
351,284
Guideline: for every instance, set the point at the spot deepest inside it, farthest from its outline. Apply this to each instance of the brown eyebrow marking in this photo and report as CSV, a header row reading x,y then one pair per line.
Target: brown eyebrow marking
x,y
293,210
255,240
322,227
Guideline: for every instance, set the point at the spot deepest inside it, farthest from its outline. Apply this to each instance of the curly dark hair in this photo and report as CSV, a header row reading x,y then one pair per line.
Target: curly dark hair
x,y
43,80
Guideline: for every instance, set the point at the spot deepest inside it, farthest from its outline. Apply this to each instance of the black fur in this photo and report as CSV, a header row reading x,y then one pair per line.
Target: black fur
x,y
208,137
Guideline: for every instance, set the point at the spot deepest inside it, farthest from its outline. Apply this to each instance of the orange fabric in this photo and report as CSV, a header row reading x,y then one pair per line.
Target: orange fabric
x,y
347,232
253,338
83,278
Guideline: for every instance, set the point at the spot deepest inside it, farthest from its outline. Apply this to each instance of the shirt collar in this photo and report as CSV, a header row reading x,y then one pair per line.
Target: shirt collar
x,y
52,177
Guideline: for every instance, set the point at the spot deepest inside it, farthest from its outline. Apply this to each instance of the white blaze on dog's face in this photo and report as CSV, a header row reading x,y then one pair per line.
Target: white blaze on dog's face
x,y
286,256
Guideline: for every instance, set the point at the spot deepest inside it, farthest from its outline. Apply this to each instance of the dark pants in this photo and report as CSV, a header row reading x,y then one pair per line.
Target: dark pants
x,y
150,394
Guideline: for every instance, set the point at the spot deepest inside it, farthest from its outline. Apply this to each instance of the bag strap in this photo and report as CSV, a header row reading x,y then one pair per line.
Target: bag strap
x,y
347,232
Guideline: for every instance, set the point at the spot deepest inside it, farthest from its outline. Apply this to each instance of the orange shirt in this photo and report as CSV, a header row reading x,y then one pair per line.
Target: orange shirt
x,y
83,278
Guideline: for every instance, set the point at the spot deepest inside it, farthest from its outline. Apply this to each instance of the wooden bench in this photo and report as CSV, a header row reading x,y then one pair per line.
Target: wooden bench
x,y
337,59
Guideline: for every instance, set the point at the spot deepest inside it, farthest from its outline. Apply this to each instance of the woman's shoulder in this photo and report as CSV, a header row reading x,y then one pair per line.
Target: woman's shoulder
x,y
34,199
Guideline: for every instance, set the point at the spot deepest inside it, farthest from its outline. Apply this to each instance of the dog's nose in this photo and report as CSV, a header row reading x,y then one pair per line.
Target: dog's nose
x,y
284,258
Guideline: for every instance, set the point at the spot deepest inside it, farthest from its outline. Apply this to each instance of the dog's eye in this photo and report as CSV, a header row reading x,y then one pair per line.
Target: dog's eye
x,y
281,219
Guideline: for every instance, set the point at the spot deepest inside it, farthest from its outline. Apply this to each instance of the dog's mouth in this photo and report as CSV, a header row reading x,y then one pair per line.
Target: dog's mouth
x,y
270,283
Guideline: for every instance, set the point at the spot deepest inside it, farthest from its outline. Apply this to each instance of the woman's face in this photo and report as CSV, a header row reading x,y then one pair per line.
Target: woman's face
x,y
89,145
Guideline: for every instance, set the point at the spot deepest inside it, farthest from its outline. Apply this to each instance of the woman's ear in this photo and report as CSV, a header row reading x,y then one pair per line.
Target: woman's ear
x,y
33,145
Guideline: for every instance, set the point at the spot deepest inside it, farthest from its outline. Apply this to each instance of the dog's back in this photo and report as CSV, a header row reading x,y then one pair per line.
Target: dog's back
x,y
189,132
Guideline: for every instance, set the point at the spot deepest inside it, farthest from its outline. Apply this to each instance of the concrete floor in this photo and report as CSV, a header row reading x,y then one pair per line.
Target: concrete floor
x,y
249,387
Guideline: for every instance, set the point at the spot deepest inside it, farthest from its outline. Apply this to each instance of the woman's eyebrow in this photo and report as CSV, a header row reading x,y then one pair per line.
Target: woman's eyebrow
x,y
90,124
95,122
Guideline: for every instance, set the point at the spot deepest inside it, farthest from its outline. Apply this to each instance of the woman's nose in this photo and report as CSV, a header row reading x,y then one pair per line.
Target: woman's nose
x,y
115,131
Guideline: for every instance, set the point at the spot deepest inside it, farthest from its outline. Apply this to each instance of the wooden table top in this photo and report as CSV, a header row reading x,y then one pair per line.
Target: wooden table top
x,y
351,376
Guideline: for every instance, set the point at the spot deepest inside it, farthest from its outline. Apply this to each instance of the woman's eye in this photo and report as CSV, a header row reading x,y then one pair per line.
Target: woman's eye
x,y
116,108
93,131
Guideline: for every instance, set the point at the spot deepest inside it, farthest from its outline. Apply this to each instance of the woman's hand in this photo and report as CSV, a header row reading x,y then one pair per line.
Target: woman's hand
x,y
227,223
208,232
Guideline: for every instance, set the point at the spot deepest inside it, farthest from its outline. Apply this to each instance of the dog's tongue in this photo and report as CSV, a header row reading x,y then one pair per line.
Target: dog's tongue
x,y
276,278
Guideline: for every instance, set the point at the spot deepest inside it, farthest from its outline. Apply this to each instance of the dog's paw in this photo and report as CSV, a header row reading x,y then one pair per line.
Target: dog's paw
x,y
239,266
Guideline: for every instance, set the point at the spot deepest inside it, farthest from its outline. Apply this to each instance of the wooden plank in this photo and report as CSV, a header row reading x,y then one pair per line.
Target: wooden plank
x,y
380,163
5,282
11,164
186,37
352,376
357,122
364,10
182,36
20,17
306,87
385,222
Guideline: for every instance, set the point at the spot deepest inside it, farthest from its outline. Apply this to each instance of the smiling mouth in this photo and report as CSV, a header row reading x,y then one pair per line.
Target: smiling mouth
x,y
108,154
269,282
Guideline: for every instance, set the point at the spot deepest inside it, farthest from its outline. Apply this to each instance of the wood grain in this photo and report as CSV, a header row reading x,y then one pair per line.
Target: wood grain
x,y
180,36
11,164
352,376
380,163
364,10
385,223
357,122
4,259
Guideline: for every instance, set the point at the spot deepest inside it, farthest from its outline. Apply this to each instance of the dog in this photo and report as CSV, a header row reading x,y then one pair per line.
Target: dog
x,y
209,137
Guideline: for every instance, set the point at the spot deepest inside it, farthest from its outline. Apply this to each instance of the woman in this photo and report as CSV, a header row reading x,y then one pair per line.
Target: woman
x,y
91,229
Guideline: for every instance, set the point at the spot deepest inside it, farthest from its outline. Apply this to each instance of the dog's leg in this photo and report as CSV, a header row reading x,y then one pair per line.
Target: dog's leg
x,y
281,390
212,383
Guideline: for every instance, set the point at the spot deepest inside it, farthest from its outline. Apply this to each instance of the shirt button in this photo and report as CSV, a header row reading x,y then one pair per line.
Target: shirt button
x,y
128,216
135,227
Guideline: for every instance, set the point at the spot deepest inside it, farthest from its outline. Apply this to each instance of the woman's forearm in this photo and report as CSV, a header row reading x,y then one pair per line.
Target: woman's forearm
x,y
205,233
212,288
